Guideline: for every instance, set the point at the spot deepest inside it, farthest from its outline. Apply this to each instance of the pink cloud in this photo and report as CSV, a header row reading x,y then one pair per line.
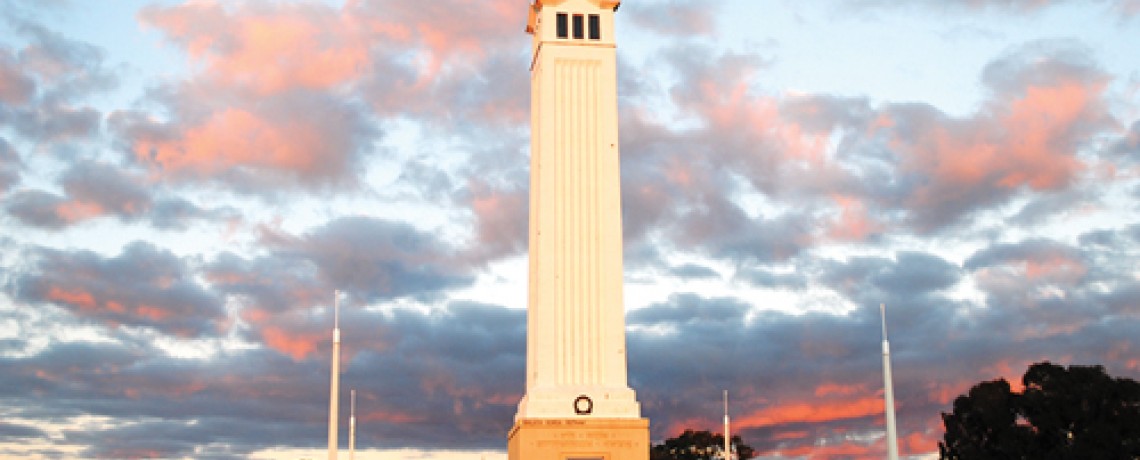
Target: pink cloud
x,y
270,48
1028,141
272,99
76,211
446,29
843,450
812,412
16,88
234,137
781,145
397,418
1056,268
83,300
853,222
836,389
265,49
114,308
920,442
295,344
501,219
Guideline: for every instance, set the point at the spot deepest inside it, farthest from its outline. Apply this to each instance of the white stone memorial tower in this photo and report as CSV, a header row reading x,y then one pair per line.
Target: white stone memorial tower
x,y
578,404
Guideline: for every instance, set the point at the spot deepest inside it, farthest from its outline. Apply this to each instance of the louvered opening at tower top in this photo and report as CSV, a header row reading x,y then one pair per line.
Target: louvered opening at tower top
x,y
580,24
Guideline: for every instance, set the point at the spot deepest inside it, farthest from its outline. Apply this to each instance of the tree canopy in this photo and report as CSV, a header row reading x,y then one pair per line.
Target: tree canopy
x,y
1078,412
698,445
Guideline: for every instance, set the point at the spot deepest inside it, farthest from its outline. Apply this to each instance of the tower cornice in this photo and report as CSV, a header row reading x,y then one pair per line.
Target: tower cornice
x,y
537,6
612,4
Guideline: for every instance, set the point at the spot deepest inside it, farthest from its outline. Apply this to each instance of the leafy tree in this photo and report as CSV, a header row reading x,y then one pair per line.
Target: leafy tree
x,y
1079,412
698,445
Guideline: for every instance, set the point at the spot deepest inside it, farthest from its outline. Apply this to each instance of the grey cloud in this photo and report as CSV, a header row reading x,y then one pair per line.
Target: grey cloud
x,y
1104,238
51,122
450,378
50,77
272,283
18,87
75,373
502,223
10,166
1034,249
144,441
768,279
1045,206
1111,239
233,405
678,184
107,186
36,208
724,231
766,361
72,68
694,271
490,96
1056,292
370,259
99,189
178,214
911,284
640,255
773,359
676,18
143,286
646,199
1042,63
889,167
827,113
433,183
915,272
458,374
683,309
1129,143
376,259
11,432
204,439
1016,6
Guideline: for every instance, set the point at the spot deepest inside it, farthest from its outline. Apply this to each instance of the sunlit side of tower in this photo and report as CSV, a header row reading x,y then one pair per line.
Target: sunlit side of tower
x,y
576,317
576,356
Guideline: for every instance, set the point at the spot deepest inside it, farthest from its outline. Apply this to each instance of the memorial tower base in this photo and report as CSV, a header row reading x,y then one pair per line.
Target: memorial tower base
x,y
579,439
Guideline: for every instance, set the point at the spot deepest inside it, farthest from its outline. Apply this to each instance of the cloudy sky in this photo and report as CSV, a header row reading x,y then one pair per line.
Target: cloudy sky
x,y
184,184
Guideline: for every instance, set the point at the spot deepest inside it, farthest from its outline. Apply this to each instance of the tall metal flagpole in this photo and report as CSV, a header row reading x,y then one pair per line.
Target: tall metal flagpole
x,y
334,388
888,391
352,427
727,435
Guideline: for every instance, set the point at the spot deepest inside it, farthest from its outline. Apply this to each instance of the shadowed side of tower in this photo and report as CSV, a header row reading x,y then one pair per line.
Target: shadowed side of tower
x,y
578,404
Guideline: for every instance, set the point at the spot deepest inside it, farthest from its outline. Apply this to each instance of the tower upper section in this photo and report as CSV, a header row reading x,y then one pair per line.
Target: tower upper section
x,y
572,22
576,358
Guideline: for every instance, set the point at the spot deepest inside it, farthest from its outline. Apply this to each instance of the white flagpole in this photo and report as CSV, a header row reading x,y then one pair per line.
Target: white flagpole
x,y
334,388
889,392
352,427
727,435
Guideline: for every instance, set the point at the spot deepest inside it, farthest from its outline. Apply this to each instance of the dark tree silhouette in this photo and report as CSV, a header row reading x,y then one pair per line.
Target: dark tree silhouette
x,y
1079,412
698,445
